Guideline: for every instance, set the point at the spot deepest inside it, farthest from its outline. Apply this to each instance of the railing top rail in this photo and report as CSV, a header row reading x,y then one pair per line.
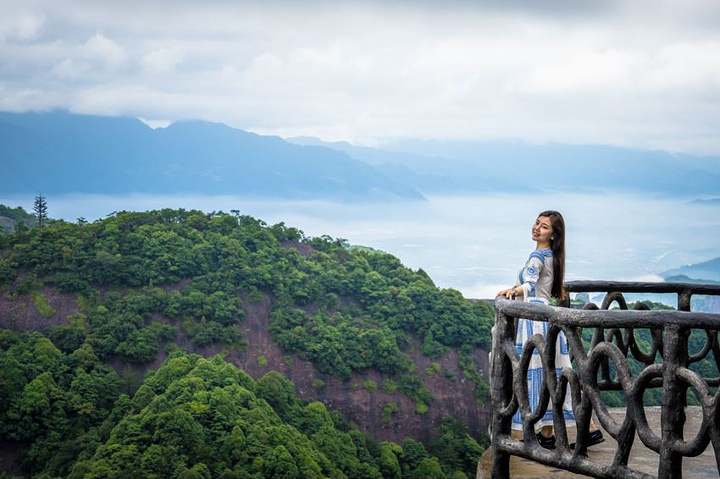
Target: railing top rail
x,y
607,319
639,287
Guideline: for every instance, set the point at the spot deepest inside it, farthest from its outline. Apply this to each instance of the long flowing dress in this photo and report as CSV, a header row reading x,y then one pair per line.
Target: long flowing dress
x,y
536,279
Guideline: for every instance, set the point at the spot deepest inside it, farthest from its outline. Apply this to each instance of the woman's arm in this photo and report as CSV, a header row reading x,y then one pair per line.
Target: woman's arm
x,y
529,277
531,274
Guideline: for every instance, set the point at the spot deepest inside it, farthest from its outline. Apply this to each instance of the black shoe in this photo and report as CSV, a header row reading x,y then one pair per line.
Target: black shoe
x,y
546,442
596,437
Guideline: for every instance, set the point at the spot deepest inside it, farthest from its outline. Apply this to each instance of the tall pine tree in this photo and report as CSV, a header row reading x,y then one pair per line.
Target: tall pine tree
x,y
40,210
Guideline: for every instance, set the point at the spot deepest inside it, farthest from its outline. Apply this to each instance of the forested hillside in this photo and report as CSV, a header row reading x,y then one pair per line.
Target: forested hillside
x,y
102,302
12,219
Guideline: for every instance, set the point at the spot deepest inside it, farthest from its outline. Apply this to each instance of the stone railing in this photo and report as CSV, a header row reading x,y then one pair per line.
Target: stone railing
x,y
602,364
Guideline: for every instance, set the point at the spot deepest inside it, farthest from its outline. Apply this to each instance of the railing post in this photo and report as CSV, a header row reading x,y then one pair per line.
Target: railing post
x,y
501,379
672,417
684,300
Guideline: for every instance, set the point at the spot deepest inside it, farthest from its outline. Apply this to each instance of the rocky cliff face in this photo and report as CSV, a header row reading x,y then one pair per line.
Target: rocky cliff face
x,y
453,393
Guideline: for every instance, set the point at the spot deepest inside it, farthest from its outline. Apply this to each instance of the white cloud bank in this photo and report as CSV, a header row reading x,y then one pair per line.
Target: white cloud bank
x,y
641,73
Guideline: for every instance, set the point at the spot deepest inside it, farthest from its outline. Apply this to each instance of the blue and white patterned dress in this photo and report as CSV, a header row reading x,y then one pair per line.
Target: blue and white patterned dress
x,y
536,280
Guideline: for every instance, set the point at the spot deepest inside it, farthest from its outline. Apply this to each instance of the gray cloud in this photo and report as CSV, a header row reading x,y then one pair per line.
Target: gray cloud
x,y
641,73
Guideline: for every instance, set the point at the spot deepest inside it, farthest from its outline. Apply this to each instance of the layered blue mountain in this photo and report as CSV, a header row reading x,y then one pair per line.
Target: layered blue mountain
x,y
513,166
59,152
707,271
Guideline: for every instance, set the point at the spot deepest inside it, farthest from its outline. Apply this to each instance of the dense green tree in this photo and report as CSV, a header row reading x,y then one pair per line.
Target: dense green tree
x,y
280,464
413,452
455,448
388,460
429,468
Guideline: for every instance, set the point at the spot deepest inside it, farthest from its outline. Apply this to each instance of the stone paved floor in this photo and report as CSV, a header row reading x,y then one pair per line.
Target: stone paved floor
x,y
641,458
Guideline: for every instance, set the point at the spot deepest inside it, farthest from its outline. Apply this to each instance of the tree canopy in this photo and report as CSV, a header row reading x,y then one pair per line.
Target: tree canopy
x,y
193,417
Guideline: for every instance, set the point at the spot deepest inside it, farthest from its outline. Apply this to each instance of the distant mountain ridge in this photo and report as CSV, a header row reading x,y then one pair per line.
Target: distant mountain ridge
x,y
511,166
706,271
429,172
59,152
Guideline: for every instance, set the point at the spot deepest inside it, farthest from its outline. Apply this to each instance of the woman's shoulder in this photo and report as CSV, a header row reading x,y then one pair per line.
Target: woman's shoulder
x,y
541,254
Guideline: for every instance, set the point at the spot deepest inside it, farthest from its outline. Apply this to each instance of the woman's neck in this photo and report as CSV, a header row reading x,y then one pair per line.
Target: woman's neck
x,y
542,246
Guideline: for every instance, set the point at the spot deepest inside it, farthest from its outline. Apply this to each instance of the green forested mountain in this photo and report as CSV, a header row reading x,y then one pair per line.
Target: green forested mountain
x,y
103,302
12,219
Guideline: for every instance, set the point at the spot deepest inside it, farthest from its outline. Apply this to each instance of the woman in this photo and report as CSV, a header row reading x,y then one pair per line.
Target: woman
x,y
540,280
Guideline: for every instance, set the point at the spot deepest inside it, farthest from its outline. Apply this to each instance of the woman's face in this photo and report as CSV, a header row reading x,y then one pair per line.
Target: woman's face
x,y
542,230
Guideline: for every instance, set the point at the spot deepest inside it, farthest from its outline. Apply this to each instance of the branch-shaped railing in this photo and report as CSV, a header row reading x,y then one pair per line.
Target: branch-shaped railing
x,y
604,366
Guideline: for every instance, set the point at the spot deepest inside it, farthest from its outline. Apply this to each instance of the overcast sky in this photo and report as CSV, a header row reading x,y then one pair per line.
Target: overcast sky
x,y
641,73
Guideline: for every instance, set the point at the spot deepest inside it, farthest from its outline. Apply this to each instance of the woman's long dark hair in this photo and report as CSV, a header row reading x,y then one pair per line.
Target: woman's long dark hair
x,y
557,244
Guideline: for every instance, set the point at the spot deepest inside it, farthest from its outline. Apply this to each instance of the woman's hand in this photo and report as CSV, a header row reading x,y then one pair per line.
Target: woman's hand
x,y
508,293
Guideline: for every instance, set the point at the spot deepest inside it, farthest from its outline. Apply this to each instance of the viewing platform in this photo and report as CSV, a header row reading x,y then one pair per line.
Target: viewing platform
x,y
641,458
632,352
